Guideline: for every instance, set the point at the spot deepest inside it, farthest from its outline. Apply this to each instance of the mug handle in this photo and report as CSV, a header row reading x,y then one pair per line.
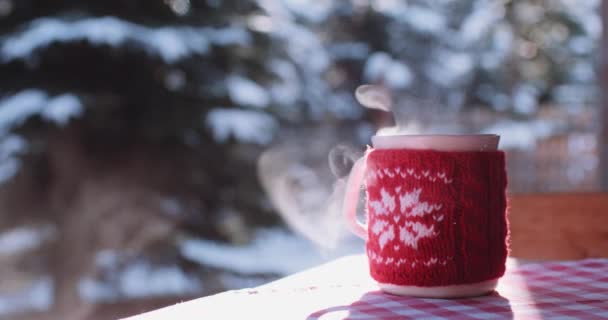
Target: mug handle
x,y
351,198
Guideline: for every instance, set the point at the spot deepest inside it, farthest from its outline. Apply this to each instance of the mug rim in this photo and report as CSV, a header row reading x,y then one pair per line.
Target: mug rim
x,y
442,142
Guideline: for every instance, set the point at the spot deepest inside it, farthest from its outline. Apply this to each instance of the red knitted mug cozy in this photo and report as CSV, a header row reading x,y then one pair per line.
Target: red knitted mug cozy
x,y
436,218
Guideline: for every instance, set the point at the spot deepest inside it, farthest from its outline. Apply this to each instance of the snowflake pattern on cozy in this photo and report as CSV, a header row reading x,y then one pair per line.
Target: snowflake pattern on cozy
x,y
435,218
395,215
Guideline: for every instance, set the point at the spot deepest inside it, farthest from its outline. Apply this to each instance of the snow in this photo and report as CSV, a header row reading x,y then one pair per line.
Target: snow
x,y
276,9
62,108
525,99
480,20
8,169
344,106
449,67
389,6
421,19
246,126
315,13
286,90
585,12
521,134
136,280
21,239
142,279
246,92
17,108
502,41
12,144
306,48
180,7
10,147
307,51
95,291
106,259
582,71
380,67
171,43
498,100
228,36
273,251
581,45
424,19
37,296
574,94
260,23
233,281
398,76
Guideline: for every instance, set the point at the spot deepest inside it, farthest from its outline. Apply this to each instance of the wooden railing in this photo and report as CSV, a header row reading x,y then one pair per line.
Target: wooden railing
x,y
559,226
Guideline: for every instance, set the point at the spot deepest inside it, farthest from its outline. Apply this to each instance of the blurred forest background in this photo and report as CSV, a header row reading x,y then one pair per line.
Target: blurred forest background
x,y
130,130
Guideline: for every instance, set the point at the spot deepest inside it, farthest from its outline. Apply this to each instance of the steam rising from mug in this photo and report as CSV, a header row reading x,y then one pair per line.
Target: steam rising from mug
x,y
380,98
374,97
301,187
299,181
414,113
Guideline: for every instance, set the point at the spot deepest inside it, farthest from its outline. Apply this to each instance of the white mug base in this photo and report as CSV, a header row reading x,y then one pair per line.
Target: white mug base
x,y
453,291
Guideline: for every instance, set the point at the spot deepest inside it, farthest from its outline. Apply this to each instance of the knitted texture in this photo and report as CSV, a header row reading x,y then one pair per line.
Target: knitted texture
x,y
436,218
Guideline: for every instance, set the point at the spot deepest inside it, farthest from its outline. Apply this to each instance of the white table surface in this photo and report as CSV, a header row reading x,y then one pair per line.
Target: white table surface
x,y
286,298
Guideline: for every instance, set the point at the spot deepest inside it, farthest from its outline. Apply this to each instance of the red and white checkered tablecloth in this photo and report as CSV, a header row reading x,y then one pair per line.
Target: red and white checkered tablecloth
x,y
342,290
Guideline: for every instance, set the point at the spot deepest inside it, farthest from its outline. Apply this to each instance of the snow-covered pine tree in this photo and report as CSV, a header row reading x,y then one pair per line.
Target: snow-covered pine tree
x,y
125,123
511,56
